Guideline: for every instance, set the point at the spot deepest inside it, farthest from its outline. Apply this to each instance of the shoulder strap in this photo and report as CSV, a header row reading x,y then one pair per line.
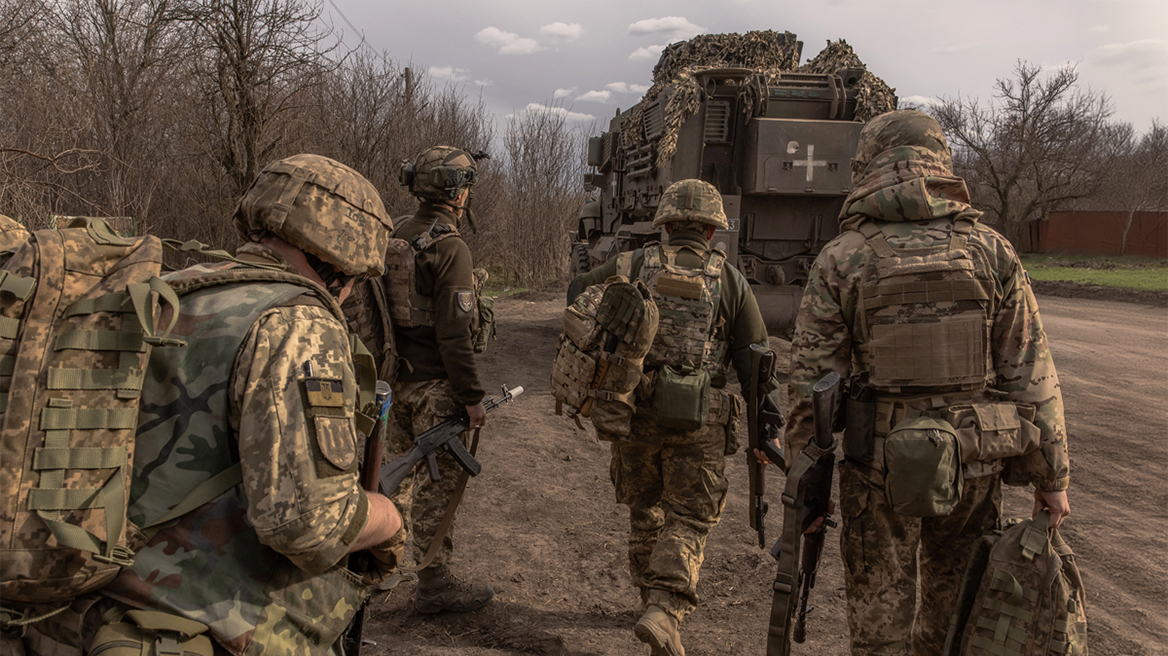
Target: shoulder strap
x,y
875,238
959,238
714,261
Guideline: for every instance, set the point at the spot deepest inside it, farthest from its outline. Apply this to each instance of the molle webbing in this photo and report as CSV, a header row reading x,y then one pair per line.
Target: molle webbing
x,y
408,308
925,314
688,303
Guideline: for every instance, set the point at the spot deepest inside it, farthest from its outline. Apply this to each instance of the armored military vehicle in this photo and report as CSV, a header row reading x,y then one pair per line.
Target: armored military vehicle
x,y
776,143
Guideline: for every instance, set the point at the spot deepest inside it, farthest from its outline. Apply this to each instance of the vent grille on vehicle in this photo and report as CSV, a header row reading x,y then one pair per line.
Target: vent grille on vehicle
x,y
654,120
718,121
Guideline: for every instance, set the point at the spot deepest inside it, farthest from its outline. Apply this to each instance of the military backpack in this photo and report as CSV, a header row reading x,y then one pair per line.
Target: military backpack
x,y
409,309
1022,595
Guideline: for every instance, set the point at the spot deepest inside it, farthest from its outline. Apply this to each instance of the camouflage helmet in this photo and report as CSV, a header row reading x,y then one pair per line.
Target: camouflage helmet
x,y
12,234
439,174
322,207
691,200
902,127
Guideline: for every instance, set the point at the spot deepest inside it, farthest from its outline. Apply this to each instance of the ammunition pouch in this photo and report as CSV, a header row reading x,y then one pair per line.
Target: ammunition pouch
x,y
681,397
859,422
994,431
151,633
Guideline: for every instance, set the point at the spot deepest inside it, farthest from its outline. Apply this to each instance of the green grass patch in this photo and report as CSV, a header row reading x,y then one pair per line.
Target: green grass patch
x,y
1129,271
497,284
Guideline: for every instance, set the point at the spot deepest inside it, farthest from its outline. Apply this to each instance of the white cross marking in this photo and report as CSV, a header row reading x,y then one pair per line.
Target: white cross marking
x,y
811,162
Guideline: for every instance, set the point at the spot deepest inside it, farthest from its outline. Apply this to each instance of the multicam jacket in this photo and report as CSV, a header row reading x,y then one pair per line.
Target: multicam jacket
x,y
915,202
266,381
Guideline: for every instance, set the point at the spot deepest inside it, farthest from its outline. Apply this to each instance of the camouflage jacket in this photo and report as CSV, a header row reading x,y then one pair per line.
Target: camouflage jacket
x,y
445,274
915,201
262,564
739,322
12,234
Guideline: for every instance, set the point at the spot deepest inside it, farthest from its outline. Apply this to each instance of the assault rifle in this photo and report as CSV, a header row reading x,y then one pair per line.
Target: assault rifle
x,y
806,498
762,425
443,437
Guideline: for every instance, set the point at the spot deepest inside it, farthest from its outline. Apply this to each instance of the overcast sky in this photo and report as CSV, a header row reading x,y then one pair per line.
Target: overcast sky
x,y
595,56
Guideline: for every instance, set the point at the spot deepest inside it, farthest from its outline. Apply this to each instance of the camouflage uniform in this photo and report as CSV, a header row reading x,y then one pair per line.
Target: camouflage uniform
x,y
12,234
436,374
904,183
674,481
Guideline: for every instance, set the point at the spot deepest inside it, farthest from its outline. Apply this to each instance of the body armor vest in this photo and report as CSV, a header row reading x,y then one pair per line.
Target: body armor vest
x,y
210,566
924,315
687,301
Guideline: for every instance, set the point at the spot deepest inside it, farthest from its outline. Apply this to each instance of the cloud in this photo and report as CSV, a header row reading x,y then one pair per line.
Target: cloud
x,y
562,31
484,83
1100,28
595,96
622,87
648,52
674,27
449,73
508,43
944,50
564,93
1135,55
571,116
917,101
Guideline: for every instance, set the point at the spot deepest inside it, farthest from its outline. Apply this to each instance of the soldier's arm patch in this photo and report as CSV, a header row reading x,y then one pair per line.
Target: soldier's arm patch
x,y
465,300
334,430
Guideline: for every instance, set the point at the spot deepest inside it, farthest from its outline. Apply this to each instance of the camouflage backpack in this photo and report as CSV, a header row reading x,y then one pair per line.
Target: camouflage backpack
x,y
409,309
1022,595
598,369
79,312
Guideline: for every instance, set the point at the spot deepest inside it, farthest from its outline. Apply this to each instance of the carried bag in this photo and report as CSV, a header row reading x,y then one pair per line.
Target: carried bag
x,y
151,633
1022,595
596,373
922,467
78,318
681,397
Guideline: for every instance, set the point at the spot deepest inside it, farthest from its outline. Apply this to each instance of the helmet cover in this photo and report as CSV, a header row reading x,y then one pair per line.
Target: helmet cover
x,y
691,200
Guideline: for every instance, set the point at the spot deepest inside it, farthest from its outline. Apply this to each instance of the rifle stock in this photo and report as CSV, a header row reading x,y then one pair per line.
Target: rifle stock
x,y
806,498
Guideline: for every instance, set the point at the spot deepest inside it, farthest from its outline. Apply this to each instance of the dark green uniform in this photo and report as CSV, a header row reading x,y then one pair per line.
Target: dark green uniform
x,y
674,481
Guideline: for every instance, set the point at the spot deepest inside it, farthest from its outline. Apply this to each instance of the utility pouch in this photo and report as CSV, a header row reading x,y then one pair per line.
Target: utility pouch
x,y
922,467
994,431
151,633
860,422
681,399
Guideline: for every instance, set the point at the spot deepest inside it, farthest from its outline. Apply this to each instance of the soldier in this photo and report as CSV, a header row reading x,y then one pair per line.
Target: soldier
x,y
673,480
265,382
436,373
933,314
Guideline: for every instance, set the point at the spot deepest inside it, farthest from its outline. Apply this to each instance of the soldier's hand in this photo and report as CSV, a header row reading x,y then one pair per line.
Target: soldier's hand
x,y
1055,502
621,310
758,453
386,558
477,415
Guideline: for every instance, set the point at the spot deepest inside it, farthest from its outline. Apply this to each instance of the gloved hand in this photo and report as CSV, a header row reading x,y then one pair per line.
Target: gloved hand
x,y
385,558
621,311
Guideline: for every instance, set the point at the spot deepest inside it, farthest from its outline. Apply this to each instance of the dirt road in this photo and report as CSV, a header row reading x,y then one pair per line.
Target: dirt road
x,y
541,525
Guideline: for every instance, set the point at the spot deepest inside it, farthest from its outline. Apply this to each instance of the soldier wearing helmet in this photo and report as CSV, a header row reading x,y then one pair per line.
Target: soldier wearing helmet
x,y
930,314
436,373
255,418
672,478
12,234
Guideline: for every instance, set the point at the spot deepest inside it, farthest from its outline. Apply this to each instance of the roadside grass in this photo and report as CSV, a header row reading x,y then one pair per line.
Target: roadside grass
x,y
497,284
1128,271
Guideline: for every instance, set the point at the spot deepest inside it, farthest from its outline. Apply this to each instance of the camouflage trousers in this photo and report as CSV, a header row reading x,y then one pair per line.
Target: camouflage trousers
x,y
418,406
674,484
887,556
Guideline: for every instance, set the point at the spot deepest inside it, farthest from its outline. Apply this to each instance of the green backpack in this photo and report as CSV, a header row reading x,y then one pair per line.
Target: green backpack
x,y
1022,595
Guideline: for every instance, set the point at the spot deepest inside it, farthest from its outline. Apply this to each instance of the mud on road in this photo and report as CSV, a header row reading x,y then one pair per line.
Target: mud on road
x,y
541,525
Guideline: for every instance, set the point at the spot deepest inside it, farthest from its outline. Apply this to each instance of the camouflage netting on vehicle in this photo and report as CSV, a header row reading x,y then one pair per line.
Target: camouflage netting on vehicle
x,y
764,51
873,95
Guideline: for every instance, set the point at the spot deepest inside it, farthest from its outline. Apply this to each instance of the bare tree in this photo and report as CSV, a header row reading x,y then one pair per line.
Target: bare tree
x,y
1041,143
1138,177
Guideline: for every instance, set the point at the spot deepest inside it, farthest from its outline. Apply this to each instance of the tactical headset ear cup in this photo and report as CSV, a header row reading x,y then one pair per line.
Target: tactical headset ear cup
x,y
406,175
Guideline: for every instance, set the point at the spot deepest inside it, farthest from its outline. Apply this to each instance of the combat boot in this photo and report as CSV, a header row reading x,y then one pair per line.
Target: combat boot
x,y
658,629
438,590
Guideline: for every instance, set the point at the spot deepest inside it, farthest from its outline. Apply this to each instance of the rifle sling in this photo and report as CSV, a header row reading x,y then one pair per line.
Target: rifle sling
x,y
448,518
787,573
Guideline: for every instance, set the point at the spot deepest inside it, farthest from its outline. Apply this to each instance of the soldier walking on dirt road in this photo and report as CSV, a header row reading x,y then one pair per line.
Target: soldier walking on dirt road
x,y
673,479
931,318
